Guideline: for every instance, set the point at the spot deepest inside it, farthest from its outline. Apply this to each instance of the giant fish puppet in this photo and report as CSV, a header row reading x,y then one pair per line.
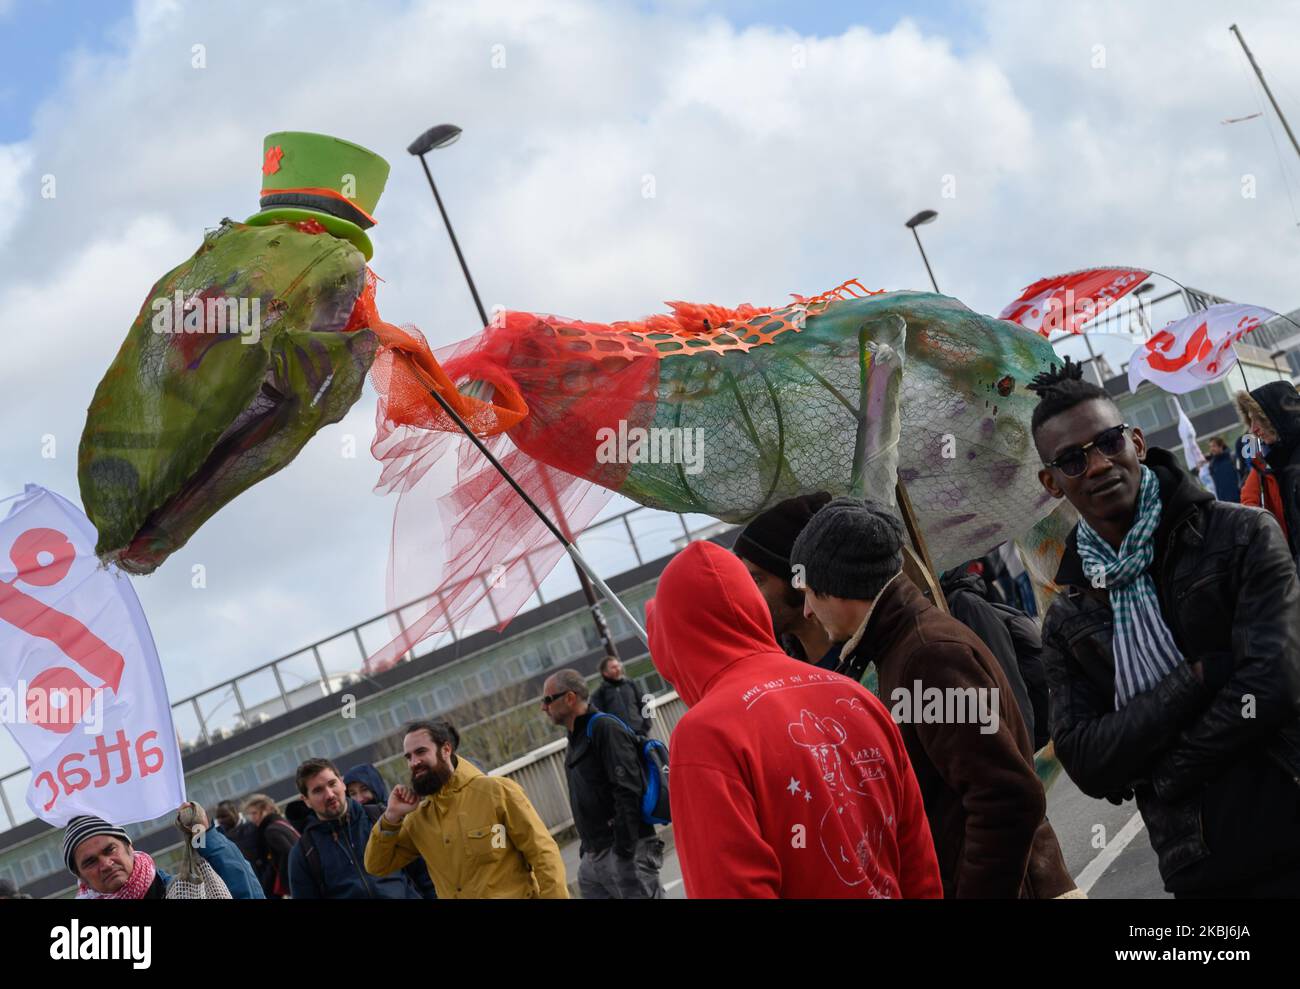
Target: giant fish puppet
x,y
711,410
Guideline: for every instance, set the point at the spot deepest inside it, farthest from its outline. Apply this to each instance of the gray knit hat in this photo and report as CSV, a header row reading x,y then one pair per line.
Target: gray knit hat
x,y
81,828
850,549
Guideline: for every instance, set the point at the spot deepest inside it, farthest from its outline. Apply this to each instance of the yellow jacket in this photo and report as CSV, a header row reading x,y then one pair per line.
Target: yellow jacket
x,y
478,835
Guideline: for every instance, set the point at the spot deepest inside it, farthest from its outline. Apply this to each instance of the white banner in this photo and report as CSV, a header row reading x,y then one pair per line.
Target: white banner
x,y
81,688
1187,433
1195,350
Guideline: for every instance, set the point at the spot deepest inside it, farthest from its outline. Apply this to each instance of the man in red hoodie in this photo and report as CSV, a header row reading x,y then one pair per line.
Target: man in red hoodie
x,y
787,781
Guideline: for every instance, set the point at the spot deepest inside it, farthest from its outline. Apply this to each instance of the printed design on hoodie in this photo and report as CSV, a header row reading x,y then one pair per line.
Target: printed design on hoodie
x,y
850,843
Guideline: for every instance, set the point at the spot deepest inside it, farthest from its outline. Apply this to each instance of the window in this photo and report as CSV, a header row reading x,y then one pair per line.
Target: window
x,y
445,698
262,772
567,646
513,670
1199,400
280,765
361,731
488,681
387,721
533,661
343,737
1147,417
301,753
470,686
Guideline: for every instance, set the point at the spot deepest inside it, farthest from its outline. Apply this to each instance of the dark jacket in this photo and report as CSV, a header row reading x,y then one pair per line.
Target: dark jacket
x,y
368,775
985,803
1279,404
604,776
964,594
244,835
1227,483
1228,593
339,849
417,871
621,699
275,840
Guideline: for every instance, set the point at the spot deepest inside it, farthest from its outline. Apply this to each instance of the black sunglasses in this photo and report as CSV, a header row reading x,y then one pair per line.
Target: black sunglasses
x,y
550,699
1074,461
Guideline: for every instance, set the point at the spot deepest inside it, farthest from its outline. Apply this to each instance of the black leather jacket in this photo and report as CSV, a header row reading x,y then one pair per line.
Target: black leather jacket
x,y
604,776
1229,594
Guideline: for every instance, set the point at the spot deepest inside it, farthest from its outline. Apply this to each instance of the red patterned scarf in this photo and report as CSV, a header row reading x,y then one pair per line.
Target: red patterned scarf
x,y
142,875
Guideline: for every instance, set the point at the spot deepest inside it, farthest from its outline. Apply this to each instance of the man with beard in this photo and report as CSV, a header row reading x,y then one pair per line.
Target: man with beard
x,y
479,835
764,546
326,861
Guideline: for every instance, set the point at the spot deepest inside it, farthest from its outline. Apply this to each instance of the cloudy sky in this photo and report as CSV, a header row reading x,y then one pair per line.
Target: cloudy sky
x,y
615,155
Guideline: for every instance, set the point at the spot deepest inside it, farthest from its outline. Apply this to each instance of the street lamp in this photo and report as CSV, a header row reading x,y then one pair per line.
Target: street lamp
x,y
1143,322
440,137
925,216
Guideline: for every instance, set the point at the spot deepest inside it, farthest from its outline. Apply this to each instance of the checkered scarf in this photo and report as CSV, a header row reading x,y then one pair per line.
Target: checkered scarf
x,y
1144,647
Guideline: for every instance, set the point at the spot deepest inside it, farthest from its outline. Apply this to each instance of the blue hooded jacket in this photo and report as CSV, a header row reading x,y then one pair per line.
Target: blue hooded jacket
x,y
368,775
340,848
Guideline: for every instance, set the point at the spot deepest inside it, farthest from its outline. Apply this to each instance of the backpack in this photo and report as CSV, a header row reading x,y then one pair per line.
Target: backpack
x,y
311,857
654,771
280,884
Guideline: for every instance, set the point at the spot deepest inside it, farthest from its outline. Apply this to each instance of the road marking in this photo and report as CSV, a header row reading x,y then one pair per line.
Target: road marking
x,y
1094,869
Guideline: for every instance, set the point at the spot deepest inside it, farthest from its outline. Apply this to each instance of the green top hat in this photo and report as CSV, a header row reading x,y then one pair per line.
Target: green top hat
x,y
317,177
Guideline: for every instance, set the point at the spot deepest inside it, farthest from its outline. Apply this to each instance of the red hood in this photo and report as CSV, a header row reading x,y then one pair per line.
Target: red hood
x,y
706,614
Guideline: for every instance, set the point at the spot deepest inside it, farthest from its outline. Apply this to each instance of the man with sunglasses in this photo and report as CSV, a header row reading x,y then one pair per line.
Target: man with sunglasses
x,y
620,856
1173,652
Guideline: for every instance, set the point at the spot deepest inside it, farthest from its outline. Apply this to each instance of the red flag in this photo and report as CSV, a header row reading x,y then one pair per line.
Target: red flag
x,y
1066,302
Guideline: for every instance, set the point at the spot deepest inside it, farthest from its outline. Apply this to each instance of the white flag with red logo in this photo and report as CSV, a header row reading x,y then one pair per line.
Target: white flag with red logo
x,y
81,688
1066,302
1196,350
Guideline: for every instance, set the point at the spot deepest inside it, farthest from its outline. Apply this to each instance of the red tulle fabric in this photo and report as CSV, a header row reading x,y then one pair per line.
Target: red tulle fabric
x,y
467,552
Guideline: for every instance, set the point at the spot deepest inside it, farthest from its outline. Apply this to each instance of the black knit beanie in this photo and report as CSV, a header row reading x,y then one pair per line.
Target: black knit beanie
x,y
767,539
850,549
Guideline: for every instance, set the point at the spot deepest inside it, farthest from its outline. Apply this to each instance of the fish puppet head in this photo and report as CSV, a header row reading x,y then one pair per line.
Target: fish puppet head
x,y
237,356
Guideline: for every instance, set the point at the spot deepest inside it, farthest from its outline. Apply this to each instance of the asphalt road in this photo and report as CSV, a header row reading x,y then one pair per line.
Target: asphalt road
x,y
1106,849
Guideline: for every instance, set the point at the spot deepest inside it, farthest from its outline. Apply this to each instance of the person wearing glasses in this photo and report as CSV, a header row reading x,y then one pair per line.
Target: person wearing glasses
x,y
619,854
1173,653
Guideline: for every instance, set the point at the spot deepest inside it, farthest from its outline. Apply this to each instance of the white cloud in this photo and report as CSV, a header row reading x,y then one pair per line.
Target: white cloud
x,y
775,170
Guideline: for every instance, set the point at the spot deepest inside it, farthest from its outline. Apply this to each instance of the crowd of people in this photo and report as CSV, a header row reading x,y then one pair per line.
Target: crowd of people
x,y
847,736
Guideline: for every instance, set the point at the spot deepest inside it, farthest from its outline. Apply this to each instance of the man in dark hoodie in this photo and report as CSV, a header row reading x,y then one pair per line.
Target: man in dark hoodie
x,y
1173,653
1227,484
787,781
969,745
327,862
617,695
764,545
1272,414
1013,639
236,827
